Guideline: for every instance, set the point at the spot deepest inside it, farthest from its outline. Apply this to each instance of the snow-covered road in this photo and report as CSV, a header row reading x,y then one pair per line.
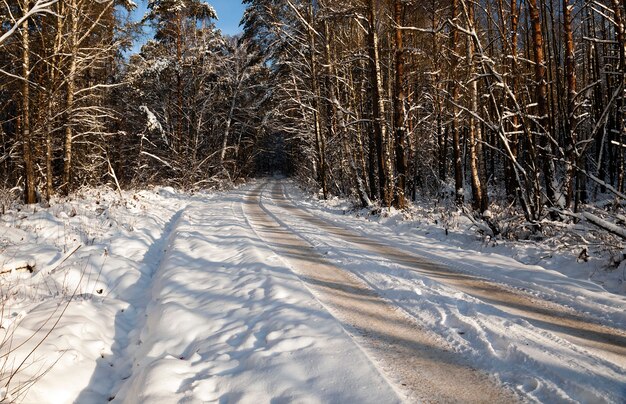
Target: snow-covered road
x,y
561,348
228,321
256,295
420,364
605,341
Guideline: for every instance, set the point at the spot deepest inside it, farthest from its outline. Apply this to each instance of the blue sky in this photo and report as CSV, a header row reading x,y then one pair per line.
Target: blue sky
x,y
228,11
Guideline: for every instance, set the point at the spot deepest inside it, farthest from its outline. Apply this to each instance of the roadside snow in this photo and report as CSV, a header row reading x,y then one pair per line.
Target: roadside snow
x,y
170,298
532,360
79,301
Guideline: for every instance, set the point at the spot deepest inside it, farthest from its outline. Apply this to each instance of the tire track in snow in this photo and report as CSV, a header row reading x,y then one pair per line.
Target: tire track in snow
x,y
420,366
547,321
607,342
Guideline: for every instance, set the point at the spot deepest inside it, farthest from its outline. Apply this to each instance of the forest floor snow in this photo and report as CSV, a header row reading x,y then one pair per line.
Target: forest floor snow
x,y
173,297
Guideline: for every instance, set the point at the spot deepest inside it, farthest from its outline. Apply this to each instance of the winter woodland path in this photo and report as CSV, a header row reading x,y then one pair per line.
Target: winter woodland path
x,y
256,300
414,359
607,342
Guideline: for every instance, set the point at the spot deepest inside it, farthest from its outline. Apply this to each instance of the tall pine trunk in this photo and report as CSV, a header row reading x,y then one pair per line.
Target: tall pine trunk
x,y
399,111
455,95
620,118
229,119
570,118
52,84
315,88
541,96
69,100
30,194
511,184
378,110
480,200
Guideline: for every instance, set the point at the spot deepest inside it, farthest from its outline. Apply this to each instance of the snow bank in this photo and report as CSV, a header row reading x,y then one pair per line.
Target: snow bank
x,y
62,319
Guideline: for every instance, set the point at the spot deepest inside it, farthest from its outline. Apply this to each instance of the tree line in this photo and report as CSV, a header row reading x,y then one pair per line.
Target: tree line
x,y
517,102
520,101
78,108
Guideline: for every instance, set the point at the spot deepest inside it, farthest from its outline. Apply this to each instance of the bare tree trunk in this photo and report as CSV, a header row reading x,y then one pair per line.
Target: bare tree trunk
x,y
229,120
455,94
621,104
361,185
360,151
541,96
515,123
399,111
480,199
52,82
179,83
319,137
69,101
330,98
378,107
570,119
30,194
49,152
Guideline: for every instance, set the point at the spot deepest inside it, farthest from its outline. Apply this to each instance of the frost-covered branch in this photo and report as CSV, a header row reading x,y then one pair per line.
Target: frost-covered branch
x,y
40,7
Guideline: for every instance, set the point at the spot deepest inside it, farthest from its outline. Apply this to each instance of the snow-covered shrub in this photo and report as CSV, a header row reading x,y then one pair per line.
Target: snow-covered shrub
x,y
8,199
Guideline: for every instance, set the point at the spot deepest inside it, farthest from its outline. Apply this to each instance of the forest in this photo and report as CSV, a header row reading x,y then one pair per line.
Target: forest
x,y
505,107
369,201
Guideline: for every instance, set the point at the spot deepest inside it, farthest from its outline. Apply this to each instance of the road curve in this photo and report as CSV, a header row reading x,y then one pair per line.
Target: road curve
x,y
417,362
604,341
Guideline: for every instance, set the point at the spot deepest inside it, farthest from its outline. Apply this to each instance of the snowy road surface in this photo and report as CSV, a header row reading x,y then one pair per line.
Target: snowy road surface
x,y
228,321
257,296
420,365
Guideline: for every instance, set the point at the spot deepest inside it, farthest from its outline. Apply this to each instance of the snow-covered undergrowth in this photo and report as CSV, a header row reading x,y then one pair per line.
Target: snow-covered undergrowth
x,y
91,256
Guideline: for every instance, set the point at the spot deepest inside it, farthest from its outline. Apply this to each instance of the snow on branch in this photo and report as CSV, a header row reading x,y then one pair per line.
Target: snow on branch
x,y
40,7
605,224
596,220
158,159
153,123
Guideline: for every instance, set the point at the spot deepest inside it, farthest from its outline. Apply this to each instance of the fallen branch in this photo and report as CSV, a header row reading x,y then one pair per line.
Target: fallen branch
x,y
485,225
597,221
18,266
606,225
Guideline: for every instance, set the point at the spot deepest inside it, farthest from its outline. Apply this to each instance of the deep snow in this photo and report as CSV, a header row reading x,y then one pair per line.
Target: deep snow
x,y
176,300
